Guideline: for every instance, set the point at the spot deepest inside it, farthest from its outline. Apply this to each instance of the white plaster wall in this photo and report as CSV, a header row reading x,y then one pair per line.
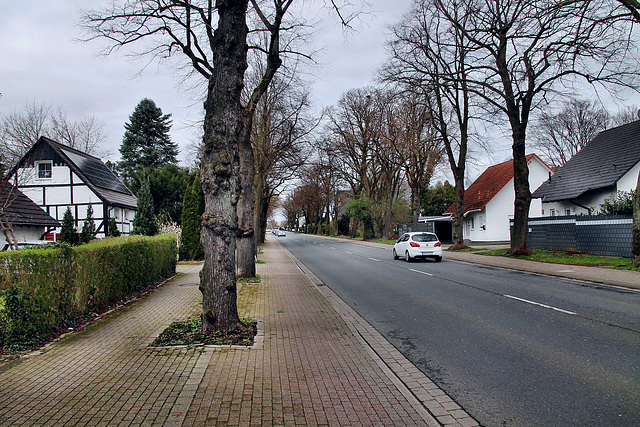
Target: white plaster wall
x,y
629,181
499,210
23,234
83,194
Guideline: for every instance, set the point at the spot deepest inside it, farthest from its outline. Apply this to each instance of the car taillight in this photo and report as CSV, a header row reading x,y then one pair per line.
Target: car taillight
x,y
438,244
414,245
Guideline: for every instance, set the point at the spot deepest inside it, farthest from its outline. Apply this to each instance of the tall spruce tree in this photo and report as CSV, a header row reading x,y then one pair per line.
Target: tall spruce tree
x,y
146,143
144,222
192,210
89,227
68,233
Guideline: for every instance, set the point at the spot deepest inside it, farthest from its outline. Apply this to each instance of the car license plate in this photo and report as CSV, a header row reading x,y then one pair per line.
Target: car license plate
x,y
426,253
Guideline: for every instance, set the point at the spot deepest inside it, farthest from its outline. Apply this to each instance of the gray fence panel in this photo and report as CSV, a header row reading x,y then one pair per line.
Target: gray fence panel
x,y
609,235
606,235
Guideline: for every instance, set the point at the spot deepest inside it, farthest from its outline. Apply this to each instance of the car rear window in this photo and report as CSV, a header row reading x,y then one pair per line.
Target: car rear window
x,y
425,238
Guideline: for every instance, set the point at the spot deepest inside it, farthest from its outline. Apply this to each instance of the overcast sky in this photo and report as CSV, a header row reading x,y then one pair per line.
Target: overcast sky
x,y
42,63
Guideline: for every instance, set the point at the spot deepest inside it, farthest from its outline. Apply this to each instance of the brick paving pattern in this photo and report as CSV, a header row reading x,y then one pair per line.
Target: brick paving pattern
x,y
106,375
308,370
315,362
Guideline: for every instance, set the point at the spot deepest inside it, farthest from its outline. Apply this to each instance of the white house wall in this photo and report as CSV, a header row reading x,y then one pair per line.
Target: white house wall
x,y
629,181
66,189
496,214
23,234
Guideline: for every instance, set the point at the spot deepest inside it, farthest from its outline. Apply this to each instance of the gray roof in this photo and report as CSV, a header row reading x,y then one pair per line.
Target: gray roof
x,y
21,210
599,165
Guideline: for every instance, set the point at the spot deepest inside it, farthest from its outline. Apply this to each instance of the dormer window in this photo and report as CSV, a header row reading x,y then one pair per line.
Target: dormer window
x,y
44,170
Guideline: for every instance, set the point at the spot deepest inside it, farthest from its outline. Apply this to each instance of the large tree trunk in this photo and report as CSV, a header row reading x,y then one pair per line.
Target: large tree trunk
x,y
222,127
523,194
458,209
246,242
261,208
415,205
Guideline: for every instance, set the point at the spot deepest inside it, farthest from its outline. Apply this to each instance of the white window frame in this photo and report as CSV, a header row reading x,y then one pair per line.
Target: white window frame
x,y
45,162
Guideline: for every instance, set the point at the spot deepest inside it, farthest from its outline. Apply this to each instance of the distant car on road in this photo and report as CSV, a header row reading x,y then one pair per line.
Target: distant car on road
x,y
418,245
281,233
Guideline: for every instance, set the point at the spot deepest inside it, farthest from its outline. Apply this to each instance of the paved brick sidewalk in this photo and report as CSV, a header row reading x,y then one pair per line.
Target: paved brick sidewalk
x,y
309,369
315,362
106,375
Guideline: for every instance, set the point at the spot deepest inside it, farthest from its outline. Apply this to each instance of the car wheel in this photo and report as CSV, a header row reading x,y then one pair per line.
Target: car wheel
x,y
438,258
395,255
407,257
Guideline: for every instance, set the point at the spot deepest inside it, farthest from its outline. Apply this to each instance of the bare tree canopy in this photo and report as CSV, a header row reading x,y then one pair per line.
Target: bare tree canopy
x,y
526,52
559,136
19,130
212,39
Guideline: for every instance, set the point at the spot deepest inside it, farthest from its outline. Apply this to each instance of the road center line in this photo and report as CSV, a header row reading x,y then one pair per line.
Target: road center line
x,y
541,305
347,252
373,259
421,272
332,247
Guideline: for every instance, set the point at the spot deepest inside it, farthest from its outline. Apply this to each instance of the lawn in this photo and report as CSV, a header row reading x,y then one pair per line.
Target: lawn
x,y
569,258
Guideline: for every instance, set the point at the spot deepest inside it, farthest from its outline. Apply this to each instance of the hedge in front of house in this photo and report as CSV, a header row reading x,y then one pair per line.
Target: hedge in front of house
x,y
43,290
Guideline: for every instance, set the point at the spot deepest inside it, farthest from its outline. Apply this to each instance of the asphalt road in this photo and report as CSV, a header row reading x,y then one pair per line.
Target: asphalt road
x,y
511,348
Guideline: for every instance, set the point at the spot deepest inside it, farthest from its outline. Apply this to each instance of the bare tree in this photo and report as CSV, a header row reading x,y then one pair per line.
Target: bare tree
x,y
21,129
429,58
279,138
212,36
526,51
560,136
419,149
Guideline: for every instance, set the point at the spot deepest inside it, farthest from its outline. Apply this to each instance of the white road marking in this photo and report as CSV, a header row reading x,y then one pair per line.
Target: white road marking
x,y
373,259
347,252
332,247
541,305
421,272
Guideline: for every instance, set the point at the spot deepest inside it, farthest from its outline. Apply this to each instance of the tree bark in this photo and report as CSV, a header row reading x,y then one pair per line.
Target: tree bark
x,y
261,208
458,207
222,128
523,194
246,241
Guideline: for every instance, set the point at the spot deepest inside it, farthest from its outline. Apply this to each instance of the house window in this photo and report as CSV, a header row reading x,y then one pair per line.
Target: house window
x,y
567,211
44,170
552,212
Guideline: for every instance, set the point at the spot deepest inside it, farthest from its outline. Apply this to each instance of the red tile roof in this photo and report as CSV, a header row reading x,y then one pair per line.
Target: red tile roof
x,y
487,186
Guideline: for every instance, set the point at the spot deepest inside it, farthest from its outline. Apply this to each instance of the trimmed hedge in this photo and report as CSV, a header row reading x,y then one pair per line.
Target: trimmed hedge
x,y
43,290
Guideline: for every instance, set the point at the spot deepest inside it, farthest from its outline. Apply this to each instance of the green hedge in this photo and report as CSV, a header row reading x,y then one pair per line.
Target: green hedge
x,y
43,290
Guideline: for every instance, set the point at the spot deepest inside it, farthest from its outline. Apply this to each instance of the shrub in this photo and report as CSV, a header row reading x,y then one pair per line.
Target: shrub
x,y
42,290
620,203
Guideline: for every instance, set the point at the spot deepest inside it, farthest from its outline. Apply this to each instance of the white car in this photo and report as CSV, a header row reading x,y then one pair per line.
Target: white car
x,y
418,245
281,233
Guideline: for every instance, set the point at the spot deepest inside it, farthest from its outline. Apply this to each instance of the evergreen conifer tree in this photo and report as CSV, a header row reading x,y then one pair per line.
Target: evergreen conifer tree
x,y
113,228
192,210
146,143
144,222
89,227
68,233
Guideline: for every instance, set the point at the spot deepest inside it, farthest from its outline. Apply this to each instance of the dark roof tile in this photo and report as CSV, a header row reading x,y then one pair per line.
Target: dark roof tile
x,y
21,210
600,164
